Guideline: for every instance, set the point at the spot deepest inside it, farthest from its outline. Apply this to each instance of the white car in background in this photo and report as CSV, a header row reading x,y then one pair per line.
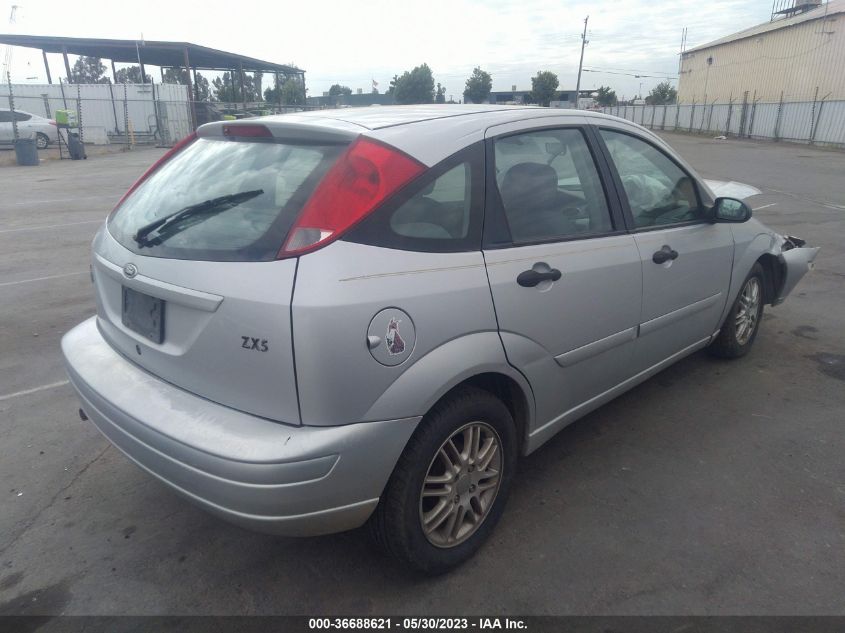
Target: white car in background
x,y
29,125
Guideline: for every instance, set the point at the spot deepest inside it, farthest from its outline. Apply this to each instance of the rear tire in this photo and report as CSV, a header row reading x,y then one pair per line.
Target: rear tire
x,y
42,141
450,485
743,321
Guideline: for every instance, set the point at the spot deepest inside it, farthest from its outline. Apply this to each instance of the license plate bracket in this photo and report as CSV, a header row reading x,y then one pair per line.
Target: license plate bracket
x,y
143,314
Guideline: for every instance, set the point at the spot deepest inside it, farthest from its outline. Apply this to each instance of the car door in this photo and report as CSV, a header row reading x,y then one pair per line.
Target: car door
x,y
564,274
686,259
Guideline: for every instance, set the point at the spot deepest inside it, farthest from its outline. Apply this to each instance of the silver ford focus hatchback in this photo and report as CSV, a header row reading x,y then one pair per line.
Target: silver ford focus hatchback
x,y
310,322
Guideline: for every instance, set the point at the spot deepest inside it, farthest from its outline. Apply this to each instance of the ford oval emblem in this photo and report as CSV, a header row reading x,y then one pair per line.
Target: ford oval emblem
x,y
130,270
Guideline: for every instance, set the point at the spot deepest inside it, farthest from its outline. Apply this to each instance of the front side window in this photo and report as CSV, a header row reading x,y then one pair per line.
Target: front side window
x,y
549,186
658,191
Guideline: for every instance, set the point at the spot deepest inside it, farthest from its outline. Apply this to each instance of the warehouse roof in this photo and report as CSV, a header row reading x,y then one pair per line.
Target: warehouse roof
x,y
166,54
828,9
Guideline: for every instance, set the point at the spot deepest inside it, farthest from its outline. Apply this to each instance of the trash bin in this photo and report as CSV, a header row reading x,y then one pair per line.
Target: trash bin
x,y
26,151
75,147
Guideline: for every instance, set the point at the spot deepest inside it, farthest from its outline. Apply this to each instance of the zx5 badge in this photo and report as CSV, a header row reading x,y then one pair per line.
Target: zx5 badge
x,y
259,345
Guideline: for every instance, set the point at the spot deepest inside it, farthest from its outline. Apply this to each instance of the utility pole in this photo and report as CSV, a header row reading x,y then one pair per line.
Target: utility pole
x,y
581,61
7,60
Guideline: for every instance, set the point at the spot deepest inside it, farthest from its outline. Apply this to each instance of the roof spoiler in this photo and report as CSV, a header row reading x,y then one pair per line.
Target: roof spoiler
x,y
293,128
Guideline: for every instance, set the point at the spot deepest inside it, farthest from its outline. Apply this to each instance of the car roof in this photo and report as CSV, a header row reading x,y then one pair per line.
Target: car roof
x,y
429,132
379,117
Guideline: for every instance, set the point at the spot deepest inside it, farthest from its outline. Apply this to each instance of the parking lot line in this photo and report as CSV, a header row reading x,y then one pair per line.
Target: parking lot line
x,y
26,202
49,226
26,281
26,392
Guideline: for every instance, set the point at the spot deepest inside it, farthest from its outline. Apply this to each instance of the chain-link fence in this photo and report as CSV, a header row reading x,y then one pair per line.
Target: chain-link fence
x,y
819,122
128,114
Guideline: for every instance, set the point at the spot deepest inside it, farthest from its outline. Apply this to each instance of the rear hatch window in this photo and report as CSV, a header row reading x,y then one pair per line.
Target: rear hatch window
x,y
222,200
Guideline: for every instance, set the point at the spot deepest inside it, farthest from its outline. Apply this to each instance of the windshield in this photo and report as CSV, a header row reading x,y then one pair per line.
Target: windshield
x,y
278,176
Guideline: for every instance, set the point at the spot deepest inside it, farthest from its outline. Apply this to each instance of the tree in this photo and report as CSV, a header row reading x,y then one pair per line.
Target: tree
x,y
131,75
201,88
291,92
175,76
337,90
478,86
416,86
178,76
440,94
88,70
606,96
228,88
662,94
544,87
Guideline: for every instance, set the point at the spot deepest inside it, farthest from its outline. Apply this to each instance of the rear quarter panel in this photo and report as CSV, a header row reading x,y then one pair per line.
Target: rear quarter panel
x,y
340,288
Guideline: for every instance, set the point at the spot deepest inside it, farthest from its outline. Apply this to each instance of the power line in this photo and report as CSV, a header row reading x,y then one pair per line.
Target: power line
x,y
609,72
631,70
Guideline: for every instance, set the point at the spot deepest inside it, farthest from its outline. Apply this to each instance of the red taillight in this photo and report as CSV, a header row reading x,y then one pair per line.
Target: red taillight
x,y
51,122
167,156
250,131
362,178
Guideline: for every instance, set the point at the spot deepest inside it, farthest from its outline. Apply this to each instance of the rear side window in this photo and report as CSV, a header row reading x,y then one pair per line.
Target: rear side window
x,y
438,212
549,186
222,200
22,116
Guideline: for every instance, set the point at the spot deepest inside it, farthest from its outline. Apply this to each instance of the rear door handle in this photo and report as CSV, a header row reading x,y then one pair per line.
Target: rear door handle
x,y
530,278
664,255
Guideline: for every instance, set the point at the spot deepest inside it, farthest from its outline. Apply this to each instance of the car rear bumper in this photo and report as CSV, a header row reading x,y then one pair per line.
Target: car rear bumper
x,y
263,475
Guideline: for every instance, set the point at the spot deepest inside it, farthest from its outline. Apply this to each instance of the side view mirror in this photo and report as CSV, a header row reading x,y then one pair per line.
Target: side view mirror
x,y
731,210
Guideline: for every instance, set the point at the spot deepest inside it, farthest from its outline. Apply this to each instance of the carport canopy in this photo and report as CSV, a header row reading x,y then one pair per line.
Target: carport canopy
x,y
163,54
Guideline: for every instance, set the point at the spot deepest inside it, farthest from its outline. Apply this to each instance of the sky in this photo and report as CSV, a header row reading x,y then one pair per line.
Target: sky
x,y
356,42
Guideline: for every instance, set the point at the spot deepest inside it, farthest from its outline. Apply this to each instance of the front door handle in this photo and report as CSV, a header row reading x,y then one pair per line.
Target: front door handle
x,y
664,255
530,278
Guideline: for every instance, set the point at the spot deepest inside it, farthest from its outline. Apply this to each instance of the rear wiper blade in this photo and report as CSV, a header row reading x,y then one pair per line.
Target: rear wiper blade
x,y
178,220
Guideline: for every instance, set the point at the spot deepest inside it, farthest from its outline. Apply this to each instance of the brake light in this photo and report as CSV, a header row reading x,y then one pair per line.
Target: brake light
x,y
167,156
362,178
51,122
251,131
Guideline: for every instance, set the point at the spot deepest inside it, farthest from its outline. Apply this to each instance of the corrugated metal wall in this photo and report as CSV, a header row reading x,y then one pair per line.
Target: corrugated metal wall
x,y
819,122
102,108
794,60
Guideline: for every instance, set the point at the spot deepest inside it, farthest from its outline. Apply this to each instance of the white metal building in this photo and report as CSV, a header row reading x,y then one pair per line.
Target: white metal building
x,y
796,58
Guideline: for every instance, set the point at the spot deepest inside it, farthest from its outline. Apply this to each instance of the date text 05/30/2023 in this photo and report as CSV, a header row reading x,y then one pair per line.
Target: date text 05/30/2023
x,y
416,624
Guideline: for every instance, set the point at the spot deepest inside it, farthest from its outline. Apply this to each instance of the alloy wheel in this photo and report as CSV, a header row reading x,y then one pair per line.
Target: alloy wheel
x,y
461,484
749,310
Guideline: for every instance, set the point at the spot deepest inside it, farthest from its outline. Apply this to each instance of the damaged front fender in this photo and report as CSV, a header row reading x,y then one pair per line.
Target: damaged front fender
x,y
795,260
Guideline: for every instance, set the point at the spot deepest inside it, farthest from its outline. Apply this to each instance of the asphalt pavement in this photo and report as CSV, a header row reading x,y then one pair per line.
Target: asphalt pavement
x,y
713,488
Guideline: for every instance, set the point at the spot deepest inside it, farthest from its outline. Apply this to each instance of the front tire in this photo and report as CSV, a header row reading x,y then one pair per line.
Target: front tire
x,y
743,321
42,141
450,485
